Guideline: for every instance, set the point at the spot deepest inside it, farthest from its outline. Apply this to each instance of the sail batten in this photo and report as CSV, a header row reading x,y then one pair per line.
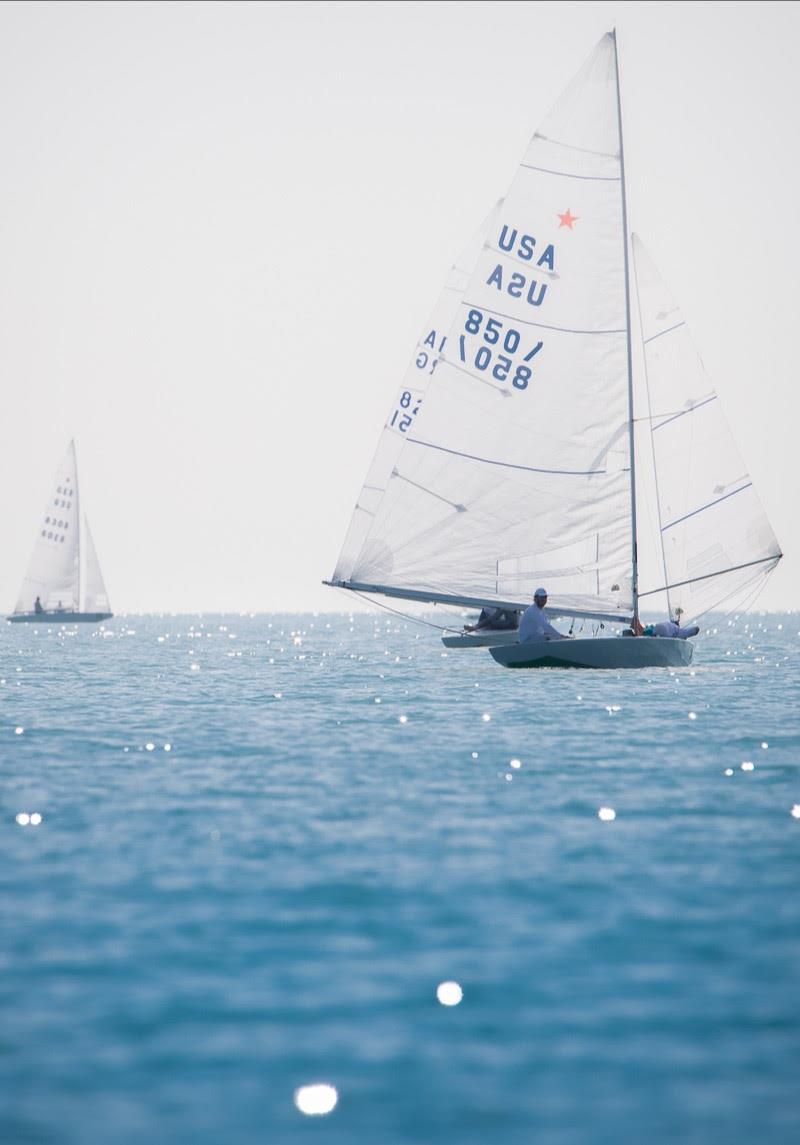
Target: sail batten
x,y
571,174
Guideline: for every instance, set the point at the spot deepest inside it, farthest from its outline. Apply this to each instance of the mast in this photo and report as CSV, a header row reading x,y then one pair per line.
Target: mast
x,y
634,552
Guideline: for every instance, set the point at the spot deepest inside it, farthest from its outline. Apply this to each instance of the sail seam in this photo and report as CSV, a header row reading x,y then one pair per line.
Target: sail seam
x,y
510,464
710,505
569,174
539,325
707,576
683,413
661,333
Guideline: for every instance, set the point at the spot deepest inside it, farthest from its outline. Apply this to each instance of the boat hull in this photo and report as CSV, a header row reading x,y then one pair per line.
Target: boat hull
x,y
58,617
484,639
609,652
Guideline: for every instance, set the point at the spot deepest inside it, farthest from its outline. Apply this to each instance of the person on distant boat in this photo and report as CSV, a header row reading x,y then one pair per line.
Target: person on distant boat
x,y
495,619
37,605
670,628
534,624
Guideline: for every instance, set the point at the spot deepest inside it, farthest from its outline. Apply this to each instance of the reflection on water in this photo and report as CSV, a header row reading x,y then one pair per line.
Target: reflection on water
x,y
488,908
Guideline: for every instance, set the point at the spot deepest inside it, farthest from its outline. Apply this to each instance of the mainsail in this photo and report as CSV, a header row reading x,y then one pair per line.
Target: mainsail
x,y
717,545
513,465
54,571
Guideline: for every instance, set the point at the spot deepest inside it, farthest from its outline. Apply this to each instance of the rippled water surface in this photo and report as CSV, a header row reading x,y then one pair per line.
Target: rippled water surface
x,y
266,841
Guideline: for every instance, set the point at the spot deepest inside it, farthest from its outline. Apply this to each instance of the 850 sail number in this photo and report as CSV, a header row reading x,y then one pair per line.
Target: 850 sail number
x,y
497,337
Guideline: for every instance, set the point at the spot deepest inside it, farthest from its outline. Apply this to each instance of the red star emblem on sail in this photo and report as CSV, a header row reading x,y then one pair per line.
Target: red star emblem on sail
x,y
567,219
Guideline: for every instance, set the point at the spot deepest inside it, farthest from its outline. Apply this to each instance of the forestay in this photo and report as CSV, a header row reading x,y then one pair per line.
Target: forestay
x,y
505,461
717,545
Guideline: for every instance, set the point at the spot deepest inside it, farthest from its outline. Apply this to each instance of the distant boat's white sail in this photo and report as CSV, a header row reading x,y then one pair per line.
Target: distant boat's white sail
x,y
95,595
717,541
54,571
515,467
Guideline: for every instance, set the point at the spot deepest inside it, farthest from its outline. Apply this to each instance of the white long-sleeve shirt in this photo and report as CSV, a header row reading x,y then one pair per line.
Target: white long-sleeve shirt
x,y
534,625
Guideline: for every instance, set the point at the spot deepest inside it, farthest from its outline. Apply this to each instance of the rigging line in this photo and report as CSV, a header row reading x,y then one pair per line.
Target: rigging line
x,y
675,416
707,576
748,602
710,505
508,464
569,174
405,615
661,333
539,325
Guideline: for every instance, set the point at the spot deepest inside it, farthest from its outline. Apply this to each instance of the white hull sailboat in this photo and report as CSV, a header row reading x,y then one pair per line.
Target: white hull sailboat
x,y
554,384
63,583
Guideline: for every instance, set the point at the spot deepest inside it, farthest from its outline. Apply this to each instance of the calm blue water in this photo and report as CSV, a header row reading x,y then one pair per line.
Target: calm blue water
x,y
188,936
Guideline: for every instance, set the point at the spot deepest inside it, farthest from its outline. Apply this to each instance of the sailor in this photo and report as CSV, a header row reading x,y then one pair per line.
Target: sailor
x,y
496,619
671,628
37,605
534,624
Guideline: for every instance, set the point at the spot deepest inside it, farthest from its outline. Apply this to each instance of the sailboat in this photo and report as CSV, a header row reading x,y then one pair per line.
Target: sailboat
x,y
541,407
63,582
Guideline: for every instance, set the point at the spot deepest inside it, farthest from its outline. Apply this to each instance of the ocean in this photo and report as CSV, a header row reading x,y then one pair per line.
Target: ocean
x,y
242,854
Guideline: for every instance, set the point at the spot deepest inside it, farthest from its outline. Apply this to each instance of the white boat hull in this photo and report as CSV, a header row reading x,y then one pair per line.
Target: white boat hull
x,y
485,639
62,617
609,652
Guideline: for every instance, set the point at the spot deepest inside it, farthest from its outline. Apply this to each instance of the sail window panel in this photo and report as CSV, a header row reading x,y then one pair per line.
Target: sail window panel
x,y
572,570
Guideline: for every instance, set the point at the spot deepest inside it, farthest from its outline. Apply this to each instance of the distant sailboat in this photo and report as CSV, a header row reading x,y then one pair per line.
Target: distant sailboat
x,y
511,456
63,582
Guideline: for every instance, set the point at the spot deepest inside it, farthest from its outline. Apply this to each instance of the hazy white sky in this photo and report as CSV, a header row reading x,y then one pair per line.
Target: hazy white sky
x,y
223,225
